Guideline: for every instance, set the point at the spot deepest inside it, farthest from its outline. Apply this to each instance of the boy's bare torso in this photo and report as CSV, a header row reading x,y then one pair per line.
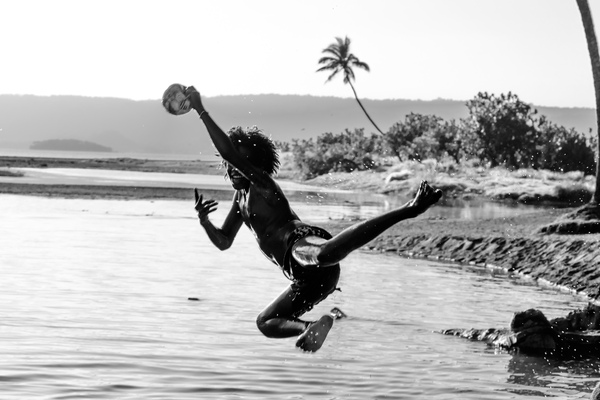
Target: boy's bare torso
x,y
270,218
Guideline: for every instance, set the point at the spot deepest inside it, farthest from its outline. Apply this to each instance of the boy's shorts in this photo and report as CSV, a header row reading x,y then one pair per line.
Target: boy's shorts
x,y
310,286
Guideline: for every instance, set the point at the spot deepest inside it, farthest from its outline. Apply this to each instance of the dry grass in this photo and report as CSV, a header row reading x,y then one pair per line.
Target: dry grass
x,y
467,181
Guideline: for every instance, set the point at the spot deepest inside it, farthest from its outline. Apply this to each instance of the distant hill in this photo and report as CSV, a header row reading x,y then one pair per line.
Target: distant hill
x,y
68,145
145,127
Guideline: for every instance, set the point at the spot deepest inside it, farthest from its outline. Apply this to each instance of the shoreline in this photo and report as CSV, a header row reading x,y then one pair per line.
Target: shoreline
x,y
117,163
570,262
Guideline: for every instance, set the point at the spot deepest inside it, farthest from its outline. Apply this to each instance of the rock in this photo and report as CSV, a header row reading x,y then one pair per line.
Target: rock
x,y
398,176
531,332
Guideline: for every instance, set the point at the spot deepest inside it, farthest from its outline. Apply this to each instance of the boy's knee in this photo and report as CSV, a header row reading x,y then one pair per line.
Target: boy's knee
x,y
261,324
267,326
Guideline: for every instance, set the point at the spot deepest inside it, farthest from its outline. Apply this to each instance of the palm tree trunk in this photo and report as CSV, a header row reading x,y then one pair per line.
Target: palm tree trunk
x,y
361,106
590,35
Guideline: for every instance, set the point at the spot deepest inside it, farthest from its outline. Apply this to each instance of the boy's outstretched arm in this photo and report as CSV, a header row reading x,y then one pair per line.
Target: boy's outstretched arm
x,y
222,142
218,137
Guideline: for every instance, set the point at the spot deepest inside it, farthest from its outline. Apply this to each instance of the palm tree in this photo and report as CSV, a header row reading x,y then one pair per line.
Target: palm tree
x,y
339,59
585,219
590,35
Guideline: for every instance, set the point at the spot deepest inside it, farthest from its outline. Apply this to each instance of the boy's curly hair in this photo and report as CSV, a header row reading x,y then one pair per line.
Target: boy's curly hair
x,y
264,153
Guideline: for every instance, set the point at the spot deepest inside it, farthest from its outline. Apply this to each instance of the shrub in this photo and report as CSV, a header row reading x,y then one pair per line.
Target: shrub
x,y
565,150
504,130
347,151
415,138
573,194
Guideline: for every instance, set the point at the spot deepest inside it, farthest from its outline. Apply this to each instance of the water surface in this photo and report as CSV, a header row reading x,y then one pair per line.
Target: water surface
x,y
94,305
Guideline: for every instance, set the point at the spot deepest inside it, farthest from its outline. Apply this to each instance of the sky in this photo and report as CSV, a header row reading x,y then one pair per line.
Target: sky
x,y
416,49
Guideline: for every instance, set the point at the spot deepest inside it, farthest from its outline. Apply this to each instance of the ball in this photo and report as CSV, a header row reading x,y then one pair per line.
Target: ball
x,y
175,101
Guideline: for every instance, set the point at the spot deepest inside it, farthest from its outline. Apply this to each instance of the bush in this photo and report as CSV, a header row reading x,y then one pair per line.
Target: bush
x,y
566,150
574,194
504,130
415,138
347,152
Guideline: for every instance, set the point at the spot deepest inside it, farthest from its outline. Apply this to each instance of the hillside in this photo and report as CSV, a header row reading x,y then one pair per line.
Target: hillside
x,y
143,126
68,145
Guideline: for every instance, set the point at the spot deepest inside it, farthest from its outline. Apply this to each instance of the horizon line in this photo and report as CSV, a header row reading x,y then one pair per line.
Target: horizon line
x,y
158,99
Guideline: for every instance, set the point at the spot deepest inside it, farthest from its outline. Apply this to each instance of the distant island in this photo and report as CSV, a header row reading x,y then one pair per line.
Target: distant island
x,y
69,145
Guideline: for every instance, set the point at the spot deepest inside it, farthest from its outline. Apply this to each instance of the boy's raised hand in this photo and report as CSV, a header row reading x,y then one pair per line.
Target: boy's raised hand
x,y
203,208
195,99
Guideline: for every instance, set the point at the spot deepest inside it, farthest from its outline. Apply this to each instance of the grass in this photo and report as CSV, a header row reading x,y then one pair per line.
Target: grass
x,y
463,181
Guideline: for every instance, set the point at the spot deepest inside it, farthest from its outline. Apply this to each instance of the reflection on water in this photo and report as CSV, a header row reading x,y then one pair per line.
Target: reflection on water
x,y
364,205
542,372
94,305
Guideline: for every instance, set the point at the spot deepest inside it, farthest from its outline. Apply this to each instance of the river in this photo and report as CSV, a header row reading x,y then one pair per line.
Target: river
x,y
95,305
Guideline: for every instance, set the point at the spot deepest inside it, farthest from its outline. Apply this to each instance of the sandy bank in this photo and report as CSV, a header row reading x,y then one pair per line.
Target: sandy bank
x,y
123,184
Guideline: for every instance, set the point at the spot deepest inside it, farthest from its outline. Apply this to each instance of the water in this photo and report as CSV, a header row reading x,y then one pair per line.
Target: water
x,y
365,205
94,305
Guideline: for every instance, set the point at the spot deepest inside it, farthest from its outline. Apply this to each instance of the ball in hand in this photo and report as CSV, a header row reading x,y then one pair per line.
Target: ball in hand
x,y
175,100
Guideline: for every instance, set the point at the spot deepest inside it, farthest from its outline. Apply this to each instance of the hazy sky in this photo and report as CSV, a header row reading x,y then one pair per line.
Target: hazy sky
x,y
417,49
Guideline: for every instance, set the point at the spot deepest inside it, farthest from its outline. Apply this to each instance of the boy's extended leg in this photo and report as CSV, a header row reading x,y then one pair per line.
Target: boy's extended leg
x,y
312,251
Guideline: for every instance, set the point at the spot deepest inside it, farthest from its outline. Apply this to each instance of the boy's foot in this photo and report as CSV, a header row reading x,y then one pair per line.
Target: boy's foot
x,y
426,197
336,313
313,337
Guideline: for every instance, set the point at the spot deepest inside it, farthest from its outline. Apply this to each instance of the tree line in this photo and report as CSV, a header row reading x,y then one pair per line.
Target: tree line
x,y
499,131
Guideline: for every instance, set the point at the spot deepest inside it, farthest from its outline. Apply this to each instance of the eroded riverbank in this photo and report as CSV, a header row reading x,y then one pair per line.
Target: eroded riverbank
x,y
571,262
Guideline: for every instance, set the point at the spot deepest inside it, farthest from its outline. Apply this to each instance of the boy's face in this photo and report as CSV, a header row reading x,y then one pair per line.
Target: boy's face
x,y
238,181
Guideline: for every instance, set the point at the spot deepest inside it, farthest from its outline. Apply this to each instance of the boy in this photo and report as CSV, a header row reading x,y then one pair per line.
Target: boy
x,y
308,255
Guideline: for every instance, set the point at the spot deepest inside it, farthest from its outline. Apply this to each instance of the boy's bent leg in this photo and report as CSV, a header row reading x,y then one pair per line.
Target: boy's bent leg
x,y
280,318
277,321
